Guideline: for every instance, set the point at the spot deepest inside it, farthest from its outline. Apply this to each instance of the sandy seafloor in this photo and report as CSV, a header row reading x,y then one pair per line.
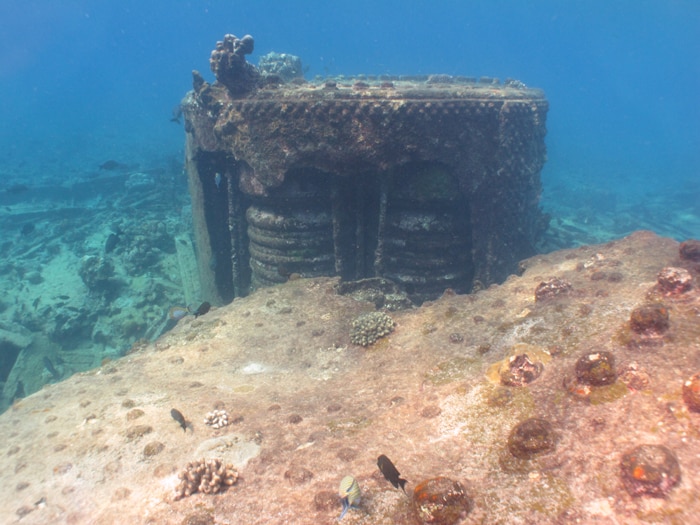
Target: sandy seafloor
x,y
308,407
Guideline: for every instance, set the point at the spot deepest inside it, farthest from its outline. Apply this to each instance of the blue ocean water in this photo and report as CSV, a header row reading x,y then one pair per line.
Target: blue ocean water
x,y
86,82
82,81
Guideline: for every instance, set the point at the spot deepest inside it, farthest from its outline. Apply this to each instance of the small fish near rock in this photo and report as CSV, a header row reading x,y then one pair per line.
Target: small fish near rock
x,y
111,242
48,364
175,313
113,165
349,492
203,309
390,472
177,416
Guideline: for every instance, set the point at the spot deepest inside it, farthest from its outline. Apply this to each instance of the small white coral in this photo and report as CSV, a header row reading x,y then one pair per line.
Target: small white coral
x,y
217,419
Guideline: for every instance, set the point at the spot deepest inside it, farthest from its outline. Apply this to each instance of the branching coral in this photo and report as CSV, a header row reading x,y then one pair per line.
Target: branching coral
x,y
208,476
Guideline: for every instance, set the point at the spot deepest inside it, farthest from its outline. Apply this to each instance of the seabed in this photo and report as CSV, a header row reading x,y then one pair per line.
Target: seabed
x,y
307,407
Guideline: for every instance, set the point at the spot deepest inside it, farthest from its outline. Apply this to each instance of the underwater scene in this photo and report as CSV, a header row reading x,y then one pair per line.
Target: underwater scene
x,y
371,262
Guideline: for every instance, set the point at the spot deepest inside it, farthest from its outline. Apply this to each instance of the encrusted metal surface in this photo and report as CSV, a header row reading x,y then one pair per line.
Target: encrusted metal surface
x,y
431,181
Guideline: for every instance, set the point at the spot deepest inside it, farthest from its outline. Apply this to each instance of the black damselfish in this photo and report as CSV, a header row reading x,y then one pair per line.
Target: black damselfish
x,y
390,472
203,308
177,416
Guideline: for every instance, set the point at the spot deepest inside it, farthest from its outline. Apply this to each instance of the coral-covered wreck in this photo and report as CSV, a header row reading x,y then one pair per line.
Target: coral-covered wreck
x,y
430,181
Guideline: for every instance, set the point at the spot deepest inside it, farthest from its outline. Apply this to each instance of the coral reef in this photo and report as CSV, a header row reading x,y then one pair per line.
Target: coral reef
x,y
531,437
282,65
370,327
520,370
229,65
650,319
651,470
673,280
441,501
207,476
553,287
216,419
98,274
596,368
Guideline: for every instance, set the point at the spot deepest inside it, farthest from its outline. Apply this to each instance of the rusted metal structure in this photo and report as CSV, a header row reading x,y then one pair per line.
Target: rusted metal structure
x,y
432,182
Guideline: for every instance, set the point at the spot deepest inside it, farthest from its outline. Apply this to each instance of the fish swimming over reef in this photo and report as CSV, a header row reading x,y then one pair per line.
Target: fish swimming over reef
x,y
111,242
177,416
390,472
178,312
203,308
349,492
48,364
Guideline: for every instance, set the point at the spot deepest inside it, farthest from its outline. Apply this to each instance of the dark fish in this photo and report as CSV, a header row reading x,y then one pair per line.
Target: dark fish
x,y
177,416
17,188
35,302
64,297
203,308
112,165
390,472
111,242
177,113
52,369
27,228
19,391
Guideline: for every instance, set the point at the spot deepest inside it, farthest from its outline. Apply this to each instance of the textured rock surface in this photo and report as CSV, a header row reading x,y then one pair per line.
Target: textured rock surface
x,y
308,407
411,178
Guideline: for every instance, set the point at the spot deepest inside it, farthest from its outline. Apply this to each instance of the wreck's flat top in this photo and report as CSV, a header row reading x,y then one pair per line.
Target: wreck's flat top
x,y
423,88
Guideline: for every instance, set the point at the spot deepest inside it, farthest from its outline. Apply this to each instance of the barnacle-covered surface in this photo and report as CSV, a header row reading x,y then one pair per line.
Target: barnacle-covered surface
x,y
307,407
406,177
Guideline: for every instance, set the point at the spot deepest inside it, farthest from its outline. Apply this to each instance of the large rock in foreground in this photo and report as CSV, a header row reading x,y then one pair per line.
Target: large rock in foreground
x,y
305,407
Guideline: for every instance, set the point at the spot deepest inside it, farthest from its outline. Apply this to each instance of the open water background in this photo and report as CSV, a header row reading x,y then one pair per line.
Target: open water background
x,y
84,81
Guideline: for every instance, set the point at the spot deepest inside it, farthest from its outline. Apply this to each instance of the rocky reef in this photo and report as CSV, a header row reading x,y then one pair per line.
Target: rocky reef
x,y
605,432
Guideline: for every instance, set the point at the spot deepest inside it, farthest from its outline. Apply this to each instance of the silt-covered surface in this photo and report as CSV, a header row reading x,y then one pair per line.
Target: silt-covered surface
x,y
307,407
